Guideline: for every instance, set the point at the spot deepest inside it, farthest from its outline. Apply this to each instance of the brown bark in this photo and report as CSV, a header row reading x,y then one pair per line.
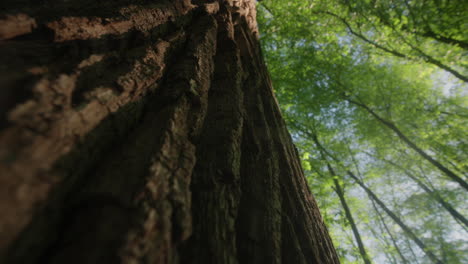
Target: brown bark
x,y
142,132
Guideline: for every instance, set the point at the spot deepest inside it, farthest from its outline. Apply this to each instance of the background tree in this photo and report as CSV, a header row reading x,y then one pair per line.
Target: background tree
x,y
146,132
378,81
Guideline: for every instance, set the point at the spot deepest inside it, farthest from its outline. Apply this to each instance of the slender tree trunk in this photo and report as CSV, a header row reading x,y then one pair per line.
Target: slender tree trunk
x,y
382,220
397,220
349,216
385,245
420,53
339,191
416,259
412,145
434,194
138,132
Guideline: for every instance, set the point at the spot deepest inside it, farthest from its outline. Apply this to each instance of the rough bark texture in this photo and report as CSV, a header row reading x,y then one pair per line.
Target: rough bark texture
x,y
146,132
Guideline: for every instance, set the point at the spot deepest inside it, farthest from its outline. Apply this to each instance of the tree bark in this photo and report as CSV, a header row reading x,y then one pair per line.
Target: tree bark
x,y
142,132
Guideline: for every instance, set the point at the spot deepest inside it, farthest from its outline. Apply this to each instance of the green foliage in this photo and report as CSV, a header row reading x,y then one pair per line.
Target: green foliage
x,y
407,62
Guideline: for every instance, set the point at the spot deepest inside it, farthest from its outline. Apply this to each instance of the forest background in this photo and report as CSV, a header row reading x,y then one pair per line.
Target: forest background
x,y
375,95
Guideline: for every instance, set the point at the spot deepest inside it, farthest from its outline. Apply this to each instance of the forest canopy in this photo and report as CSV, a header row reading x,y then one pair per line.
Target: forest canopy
x,y
375,95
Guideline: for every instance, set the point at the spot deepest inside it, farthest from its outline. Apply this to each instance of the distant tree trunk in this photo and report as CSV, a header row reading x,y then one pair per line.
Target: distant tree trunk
x,y
412,145
397,220
416,259
142,132
385,245
384,225
434,195
420,54
339,191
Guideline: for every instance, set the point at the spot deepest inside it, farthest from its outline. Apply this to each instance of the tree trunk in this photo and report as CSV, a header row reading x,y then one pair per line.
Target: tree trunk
x,y
397,220
142,132
433,194
412,145
394,242
349,216
340,192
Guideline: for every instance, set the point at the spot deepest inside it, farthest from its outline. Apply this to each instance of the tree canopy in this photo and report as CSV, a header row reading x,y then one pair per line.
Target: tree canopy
x,y
375,95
